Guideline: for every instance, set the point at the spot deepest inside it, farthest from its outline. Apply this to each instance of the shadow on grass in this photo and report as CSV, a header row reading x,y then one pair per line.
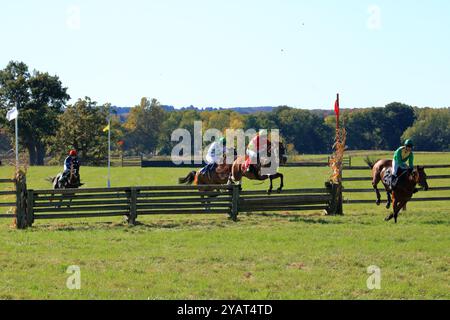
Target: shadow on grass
x,y
311,218
138,227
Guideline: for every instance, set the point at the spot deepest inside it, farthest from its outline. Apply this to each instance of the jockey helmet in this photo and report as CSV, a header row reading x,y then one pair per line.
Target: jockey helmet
x,y
73,153
409,143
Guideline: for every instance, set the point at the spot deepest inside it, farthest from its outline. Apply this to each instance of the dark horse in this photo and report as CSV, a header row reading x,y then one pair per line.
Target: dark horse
x,y
405,188
238,169
73,182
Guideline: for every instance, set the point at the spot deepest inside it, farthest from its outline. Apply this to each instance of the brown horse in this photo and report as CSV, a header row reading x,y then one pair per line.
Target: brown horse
x,y
220,175
405,188
237,170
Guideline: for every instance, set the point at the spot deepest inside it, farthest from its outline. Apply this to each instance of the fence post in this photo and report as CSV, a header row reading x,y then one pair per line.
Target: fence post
x,y
235,202
133,206
30,208
21,194
335,205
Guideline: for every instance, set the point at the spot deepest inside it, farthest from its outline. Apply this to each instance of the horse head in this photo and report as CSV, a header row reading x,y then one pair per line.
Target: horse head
x,y
421,177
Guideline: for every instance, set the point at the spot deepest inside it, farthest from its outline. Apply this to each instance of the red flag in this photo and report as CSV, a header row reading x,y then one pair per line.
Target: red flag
x,y
336,110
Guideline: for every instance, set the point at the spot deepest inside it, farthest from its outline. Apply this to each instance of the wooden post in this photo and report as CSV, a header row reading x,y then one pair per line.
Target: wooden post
x,y
30,208
335,205
121,159
133,207
21,190
235,202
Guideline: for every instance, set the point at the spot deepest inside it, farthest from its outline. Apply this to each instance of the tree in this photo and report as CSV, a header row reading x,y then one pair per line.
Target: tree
x,y
305,130
144,125
377,128
397,118
431,131
40,98
81,127
5,143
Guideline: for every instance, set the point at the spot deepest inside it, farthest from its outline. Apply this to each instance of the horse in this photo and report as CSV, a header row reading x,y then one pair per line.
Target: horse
x,y
405,188
220,176
239,170
72,183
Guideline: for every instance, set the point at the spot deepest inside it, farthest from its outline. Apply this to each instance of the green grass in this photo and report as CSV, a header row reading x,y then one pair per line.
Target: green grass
x,y
264,256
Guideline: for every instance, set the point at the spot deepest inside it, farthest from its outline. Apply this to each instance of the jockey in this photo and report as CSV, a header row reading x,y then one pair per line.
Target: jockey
x,y
256,146
215,154
401,156
72,159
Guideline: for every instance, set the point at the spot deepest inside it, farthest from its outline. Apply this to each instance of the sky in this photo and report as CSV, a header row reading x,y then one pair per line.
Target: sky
x,y
236,53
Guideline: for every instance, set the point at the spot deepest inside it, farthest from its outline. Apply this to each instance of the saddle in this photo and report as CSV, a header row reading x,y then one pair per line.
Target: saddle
x,y
392,181
209,168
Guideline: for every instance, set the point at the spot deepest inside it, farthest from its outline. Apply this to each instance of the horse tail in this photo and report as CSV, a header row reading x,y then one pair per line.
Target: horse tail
x,y
370,162
189,179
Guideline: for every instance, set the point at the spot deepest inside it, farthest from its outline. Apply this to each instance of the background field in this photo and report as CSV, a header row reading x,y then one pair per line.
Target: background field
x,y
274,256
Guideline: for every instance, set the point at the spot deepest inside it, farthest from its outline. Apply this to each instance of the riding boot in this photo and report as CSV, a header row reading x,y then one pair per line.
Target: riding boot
x,y
394,181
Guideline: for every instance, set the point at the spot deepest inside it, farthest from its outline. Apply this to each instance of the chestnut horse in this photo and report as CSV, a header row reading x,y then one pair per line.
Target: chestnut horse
x,y
237,170
220,175
405,188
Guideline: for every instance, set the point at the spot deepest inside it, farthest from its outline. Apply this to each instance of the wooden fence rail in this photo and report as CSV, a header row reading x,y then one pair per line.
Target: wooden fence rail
x,y
7,199
132,202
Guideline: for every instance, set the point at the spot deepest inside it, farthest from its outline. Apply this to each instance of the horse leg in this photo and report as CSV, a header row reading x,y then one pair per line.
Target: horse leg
x,y
280,175
375,182
389,199
394,201
398,209
271,185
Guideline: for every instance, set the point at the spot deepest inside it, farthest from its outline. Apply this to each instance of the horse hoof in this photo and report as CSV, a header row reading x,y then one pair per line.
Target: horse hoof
x,y
388,206
279,190
378,202
269,192
388,218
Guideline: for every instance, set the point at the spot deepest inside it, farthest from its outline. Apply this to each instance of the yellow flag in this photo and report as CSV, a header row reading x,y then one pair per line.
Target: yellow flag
x,y
106,128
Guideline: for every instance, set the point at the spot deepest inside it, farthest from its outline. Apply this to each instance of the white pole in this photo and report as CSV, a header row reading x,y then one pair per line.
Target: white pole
x,y
109,152
17,141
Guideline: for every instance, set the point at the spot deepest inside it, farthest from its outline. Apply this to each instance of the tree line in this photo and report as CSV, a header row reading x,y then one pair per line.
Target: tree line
x,y
49,126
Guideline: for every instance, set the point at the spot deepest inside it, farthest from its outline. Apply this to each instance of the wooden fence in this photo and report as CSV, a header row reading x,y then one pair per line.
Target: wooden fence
x,y
7,198
132,202
14,200
350,194
122,161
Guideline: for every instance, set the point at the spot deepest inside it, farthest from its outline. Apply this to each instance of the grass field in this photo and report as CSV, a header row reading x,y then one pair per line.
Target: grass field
x,y
264,256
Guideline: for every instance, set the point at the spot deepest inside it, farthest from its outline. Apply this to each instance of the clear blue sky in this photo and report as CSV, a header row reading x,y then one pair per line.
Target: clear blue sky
x,y
237,52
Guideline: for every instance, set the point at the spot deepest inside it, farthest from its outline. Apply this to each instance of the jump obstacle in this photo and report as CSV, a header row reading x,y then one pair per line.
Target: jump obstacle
x,y
132,202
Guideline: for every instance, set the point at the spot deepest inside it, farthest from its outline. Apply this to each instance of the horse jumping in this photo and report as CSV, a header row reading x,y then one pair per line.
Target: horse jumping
x,y
238,169
405,188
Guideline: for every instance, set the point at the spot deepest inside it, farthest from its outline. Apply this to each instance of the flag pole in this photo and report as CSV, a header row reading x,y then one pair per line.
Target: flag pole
x,y
17,139
337,114
109,152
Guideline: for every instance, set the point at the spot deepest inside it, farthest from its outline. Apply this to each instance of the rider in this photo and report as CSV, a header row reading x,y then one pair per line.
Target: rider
x,y
215,154
401,156
256,146
72,159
